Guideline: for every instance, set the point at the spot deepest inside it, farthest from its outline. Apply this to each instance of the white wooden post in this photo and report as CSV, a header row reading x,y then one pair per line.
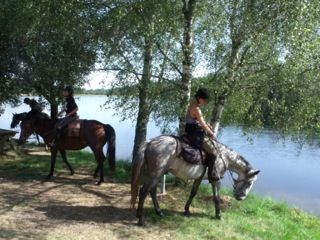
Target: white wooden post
x,y
163,184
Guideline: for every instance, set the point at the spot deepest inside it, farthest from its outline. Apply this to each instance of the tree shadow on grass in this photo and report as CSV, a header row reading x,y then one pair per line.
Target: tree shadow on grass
x,y
109,214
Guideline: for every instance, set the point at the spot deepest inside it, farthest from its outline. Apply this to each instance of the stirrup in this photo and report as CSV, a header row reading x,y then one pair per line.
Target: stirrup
x,y
52,144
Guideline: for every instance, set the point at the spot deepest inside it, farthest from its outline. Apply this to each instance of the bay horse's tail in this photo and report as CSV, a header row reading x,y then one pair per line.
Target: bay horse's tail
x,y
136,173
111,151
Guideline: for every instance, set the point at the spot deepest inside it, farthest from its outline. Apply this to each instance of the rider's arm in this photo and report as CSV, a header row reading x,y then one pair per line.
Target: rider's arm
x,y
72,112
198,115
60,113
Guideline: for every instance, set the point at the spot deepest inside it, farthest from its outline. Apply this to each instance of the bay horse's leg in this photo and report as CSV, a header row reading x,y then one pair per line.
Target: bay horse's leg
x,y
216,197
144,190
64,158
100,159
194,191
53,162
95,174
153,194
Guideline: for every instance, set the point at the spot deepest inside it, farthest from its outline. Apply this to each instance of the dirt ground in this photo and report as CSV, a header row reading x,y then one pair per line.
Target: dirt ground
x,y
70,207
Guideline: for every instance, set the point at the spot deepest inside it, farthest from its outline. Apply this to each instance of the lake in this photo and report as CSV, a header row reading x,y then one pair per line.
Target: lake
x,y
288,172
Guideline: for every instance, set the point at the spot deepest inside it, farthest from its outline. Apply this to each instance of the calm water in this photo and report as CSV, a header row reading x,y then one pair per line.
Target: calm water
x,y
288,172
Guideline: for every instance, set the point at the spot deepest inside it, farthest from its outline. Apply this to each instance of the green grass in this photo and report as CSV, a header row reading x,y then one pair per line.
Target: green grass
x,y
254,218
37,167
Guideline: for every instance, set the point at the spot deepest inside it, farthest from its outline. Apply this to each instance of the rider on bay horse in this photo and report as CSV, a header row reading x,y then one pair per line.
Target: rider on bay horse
x,y
70,109
36,108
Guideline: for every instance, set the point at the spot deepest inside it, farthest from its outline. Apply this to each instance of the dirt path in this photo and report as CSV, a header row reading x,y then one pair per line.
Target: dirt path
x,y
70,207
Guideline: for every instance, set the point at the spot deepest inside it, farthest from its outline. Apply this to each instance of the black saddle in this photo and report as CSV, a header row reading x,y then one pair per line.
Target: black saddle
x,y
190,154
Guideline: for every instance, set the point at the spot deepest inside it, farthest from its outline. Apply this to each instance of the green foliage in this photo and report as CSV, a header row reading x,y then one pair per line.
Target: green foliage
x,y
262,55
45,45
14,23
59,51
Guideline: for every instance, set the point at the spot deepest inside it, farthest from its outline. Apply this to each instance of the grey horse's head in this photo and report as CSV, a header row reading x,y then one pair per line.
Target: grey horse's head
x,y
234,162
243,185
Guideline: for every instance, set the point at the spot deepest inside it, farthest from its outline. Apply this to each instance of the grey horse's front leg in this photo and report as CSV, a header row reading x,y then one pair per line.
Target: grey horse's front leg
x,y
216,197
194,191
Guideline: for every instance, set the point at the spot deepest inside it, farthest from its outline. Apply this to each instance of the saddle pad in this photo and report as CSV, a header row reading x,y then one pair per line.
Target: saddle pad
x,y
74,129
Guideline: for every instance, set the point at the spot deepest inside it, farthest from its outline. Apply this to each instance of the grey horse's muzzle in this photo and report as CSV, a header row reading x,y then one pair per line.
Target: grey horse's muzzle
x,y
239,197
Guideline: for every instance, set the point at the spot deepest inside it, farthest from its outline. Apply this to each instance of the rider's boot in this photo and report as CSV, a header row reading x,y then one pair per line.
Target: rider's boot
x,y
57,134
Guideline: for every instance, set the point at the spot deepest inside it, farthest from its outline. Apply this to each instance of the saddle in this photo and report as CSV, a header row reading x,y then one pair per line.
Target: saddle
x,y
73,129
190,154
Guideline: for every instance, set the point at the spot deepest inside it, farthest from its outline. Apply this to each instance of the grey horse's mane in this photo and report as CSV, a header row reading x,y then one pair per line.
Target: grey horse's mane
x,y
230,157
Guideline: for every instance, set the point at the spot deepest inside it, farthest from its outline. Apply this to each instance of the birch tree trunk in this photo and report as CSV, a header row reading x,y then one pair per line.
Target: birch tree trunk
x,y
217,113
233,66
53,110
187,48
144,108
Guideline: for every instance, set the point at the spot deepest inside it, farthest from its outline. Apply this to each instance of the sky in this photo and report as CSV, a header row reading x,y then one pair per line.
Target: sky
x,y
99,79
103,79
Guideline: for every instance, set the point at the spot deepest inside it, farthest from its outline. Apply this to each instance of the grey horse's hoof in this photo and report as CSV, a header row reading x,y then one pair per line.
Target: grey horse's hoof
x,y
160,214
98,183
141,223
186,213
49,177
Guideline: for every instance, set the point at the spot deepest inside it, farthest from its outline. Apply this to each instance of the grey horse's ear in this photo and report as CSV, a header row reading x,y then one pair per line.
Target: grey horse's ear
x,y
253,172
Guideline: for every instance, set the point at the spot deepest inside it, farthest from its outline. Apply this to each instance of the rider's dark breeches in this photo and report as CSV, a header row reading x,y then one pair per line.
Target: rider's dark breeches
x,y
211,151
61,125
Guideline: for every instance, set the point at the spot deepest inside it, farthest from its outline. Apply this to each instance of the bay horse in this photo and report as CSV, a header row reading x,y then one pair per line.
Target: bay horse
x,y
161,155
92,133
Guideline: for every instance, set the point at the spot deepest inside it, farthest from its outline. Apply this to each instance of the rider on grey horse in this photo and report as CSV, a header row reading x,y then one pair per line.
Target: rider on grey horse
x,y
199,132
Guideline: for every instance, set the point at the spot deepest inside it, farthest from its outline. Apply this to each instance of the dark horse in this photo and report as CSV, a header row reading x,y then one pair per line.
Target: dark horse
x,y
161,155
92,133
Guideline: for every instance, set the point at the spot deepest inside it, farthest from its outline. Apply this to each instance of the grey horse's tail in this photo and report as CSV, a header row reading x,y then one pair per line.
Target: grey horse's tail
x,y
136,173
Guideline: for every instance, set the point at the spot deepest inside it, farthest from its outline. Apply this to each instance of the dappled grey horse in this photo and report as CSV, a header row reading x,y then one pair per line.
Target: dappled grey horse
x,y
161,155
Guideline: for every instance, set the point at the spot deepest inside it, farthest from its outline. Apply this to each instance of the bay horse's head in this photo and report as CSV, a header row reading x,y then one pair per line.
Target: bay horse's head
x,y
17,118
27,128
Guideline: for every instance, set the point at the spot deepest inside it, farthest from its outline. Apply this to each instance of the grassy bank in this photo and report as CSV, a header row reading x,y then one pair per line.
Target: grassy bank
x,y
254,218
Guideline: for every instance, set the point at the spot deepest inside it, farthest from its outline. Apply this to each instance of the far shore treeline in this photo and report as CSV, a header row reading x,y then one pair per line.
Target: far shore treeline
x,y
259,59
